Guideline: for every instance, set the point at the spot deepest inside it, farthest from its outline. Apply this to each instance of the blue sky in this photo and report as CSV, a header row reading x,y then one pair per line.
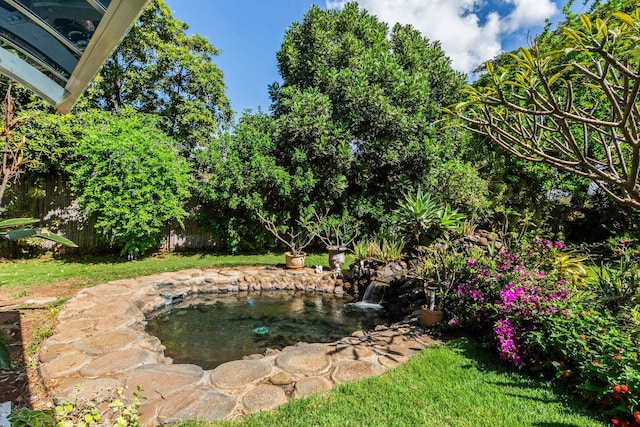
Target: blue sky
x,y
249,32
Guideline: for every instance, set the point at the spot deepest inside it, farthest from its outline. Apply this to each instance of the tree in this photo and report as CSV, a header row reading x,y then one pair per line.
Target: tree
x,y
12,166
130,178
357,108
13,160
575,107
158,69
243,178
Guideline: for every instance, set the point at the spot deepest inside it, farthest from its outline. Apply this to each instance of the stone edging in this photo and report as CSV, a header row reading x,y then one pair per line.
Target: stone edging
x,y
100,343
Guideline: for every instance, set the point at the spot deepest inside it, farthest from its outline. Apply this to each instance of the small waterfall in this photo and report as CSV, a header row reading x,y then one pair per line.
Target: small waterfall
x,y
374,292
373,295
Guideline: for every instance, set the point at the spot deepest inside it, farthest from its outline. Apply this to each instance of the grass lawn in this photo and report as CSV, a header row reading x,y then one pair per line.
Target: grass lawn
x,y
20,275
454,385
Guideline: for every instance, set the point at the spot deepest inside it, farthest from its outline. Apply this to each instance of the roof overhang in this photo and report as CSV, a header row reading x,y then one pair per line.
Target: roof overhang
x,y
56,47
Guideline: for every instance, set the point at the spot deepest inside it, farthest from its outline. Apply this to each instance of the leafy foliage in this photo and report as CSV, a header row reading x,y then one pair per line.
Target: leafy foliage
x,y
159,69
5,357
334,231
421,213
130,177
441,268
386,250
587,349
26,417
296,238
357,109
19,228
109,409
574,107
242,175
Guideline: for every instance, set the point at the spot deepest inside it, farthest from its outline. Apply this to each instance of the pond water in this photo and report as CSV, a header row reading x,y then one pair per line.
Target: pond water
x,y
208,331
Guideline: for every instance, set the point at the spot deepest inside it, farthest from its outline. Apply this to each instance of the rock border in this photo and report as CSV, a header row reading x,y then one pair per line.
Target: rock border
x,y
100,343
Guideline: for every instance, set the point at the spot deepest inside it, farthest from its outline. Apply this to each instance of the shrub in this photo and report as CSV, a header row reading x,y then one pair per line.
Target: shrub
x,y
130,177
387,250
522,305
587,350
506,296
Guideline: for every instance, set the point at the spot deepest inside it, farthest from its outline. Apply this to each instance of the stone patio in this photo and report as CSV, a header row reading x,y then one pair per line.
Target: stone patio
x,y
100,343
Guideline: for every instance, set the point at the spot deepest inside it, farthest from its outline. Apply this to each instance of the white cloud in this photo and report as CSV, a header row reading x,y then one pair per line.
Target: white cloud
x,y
466,39
529,13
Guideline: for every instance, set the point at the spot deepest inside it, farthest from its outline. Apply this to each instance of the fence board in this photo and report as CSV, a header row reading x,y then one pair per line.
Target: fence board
x,y
54,204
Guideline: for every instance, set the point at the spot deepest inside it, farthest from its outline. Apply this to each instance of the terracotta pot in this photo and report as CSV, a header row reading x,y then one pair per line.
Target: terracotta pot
x,y
336,256
431,317
294,261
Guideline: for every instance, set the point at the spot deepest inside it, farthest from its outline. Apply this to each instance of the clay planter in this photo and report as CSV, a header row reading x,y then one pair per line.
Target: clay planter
x,y
336,256
294,261
431,317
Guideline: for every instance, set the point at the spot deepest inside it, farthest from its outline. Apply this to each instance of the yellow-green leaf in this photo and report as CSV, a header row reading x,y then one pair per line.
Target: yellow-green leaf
x,y
555,77
573,34
490,68
601,25
526,55
624,18
586,21
592,86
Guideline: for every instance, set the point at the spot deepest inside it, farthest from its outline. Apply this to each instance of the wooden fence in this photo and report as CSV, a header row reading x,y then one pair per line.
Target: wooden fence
x,y
51,201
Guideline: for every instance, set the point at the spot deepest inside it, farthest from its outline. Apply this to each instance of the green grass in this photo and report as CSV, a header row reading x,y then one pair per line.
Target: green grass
x,y
20,275
455,385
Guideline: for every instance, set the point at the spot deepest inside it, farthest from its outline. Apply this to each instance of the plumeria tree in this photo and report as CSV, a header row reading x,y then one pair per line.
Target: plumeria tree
x,y
575,106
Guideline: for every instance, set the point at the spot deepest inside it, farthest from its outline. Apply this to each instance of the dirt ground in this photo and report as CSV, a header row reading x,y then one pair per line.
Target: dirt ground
x,y
23,321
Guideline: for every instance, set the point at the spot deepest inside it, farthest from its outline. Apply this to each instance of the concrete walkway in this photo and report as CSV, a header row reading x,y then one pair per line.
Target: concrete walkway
x,y
100,344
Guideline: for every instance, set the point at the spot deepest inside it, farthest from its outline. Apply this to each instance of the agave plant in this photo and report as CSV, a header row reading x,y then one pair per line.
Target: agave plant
x,y
20,228
449,220
418,212
421,213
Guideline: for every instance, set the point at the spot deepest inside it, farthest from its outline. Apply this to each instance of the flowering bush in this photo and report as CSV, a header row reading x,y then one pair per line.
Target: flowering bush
x,y
506,295
587,349
523,305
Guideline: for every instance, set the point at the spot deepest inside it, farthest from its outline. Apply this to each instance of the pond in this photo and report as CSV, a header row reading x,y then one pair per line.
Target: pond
x,y
210,330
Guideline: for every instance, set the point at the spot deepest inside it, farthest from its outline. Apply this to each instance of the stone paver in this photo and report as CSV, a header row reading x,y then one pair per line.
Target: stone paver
x,y
86,388
311,385
355,370
100,344
199,404
118,362
107,342
304,359
281,378
64,365
239,373
263,397
163,380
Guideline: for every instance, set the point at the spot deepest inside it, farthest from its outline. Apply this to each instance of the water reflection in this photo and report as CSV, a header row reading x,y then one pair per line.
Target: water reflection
x,y
216,329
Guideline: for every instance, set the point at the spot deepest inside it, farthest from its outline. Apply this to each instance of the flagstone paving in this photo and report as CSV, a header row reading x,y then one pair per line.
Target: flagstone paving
x,y
100,343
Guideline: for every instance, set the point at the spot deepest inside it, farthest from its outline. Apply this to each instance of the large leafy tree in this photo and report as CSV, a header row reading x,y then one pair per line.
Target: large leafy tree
x,y
357,108
244,177
572,104
159,69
